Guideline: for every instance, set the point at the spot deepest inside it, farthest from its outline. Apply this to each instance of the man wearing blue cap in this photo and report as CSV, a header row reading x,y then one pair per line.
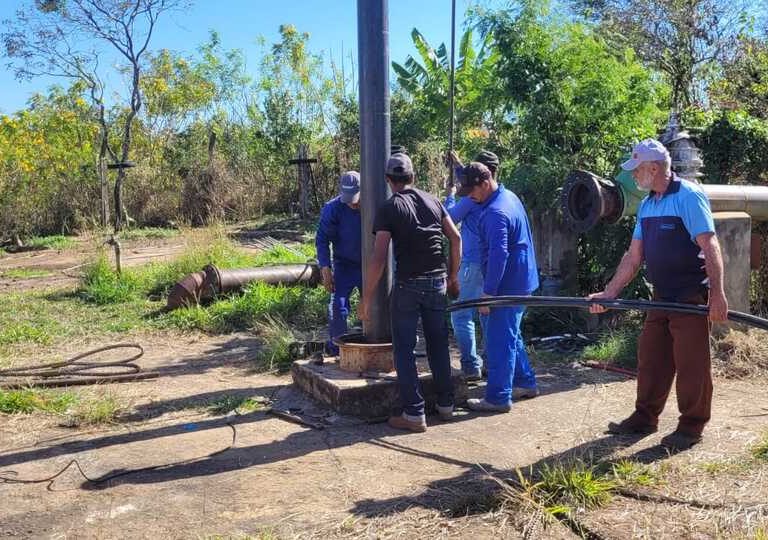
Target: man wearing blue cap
x,y
675,237
339,227
509,268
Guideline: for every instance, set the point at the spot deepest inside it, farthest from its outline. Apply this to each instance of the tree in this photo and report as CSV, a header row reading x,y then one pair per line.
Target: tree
x,y
744,82
43,37
684,39
428,81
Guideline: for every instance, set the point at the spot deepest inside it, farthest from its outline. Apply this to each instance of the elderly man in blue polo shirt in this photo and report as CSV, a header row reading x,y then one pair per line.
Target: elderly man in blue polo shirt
x,y
340,227
509,268
675,237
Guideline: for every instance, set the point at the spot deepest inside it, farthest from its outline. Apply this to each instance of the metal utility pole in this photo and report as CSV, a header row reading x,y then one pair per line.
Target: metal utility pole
x,y
373,61
452,106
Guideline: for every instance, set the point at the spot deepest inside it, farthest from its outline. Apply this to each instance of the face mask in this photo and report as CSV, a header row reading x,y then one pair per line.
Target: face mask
x,y
644,180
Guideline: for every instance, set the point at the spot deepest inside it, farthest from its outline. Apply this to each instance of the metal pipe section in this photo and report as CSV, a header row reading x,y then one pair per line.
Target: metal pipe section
x,y
587,200
212,281
373,62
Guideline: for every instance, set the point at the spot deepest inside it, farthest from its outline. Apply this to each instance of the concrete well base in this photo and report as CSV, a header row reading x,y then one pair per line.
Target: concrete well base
x,y
367,395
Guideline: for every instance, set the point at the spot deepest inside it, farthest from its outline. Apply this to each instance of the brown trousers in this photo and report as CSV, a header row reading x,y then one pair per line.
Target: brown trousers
x,y
675,343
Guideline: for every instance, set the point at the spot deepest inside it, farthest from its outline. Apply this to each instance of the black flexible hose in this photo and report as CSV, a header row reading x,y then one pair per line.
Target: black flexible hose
x,y
571,302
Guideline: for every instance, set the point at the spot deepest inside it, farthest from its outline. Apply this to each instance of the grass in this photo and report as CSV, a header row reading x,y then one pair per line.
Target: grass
x,y
97,409
759,450
101,285
276,338
617,346
298,306
239,404
57,241
24,273
149,233
630,473
39,331
29,400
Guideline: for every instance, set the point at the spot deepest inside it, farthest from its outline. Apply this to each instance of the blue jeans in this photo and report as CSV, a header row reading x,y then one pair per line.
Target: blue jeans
x,y
426,298
463,320
508,363
346,277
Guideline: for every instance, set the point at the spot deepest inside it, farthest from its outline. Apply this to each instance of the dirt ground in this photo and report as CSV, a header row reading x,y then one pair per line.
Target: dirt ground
x,y
255,475
352,479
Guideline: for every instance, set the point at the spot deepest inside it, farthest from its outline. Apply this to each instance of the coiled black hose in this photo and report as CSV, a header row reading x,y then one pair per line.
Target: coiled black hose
x,y
572,302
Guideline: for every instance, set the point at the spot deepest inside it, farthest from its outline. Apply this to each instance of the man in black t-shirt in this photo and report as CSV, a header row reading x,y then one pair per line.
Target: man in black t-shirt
x,y
416,222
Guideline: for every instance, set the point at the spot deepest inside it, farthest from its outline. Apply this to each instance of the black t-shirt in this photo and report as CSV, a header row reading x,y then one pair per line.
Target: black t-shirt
x,y
415,220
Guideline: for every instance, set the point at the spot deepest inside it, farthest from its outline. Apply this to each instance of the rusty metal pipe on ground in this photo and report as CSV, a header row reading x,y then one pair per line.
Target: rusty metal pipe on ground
x,y
213,281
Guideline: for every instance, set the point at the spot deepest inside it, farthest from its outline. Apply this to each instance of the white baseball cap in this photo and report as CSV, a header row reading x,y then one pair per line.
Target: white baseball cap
x,y
647,150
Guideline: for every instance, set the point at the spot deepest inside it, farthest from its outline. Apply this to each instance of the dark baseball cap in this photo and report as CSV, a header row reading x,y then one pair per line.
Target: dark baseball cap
x,y
397,149
489,159
349,186
399,165
470,176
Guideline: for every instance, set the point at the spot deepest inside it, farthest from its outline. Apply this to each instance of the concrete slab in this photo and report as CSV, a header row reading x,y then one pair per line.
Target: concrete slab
x,y
368,395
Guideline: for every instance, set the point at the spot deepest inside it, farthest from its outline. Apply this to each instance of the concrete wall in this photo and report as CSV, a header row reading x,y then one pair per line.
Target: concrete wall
x,y
734,233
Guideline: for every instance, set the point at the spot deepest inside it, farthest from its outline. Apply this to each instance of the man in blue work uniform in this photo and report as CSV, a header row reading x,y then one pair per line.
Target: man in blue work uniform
x,y
467,213
675,237
416,223
509,266
339,227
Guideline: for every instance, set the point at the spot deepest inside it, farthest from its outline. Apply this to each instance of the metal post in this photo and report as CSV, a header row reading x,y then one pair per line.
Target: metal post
x,y
373,61
453,85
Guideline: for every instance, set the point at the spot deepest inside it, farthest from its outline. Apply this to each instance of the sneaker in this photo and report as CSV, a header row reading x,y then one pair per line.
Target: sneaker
x,y
401,422
445,412
524,393
631,427
484,406
475,375
677,441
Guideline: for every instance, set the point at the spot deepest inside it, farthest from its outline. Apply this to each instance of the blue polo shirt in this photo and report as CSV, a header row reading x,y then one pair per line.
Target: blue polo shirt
x,y
466,212
509,261
339,226
668,227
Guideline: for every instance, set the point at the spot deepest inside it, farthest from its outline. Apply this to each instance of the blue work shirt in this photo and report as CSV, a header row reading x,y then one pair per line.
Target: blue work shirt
x,y
339,226
668,227
466,212
509,261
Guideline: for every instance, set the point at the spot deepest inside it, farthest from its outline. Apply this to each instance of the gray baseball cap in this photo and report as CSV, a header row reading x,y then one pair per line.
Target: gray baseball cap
x,y
399,165
349,187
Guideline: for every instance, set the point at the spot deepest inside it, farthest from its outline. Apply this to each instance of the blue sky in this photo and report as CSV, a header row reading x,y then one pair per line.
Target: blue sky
x,y
332,25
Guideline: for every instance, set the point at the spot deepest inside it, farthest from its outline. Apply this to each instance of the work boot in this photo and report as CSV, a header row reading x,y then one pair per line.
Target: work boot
x,y
484,406
524,393
473,375
630,426
445,412
401,422
678,441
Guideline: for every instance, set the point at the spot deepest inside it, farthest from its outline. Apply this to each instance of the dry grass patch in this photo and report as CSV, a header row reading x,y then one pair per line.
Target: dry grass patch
x,y
740,355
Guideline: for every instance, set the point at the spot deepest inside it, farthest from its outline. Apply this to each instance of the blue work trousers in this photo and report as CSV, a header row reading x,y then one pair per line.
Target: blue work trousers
x,y
346,277
426,298
507,361
463,320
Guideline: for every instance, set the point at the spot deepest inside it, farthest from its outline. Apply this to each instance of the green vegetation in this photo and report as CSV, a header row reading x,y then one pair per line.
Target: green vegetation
x,y
239,404
57,242
143,233
630,473
95,410
615,347
29,400
24,273
759,450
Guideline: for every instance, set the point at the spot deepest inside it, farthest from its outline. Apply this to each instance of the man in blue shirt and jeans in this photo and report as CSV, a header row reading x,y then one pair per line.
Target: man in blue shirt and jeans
x,y
467,212
339,227
509,265
416,222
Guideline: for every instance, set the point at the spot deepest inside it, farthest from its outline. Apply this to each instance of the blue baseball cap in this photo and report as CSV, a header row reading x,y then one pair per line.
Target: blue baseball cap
x,y
349,185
